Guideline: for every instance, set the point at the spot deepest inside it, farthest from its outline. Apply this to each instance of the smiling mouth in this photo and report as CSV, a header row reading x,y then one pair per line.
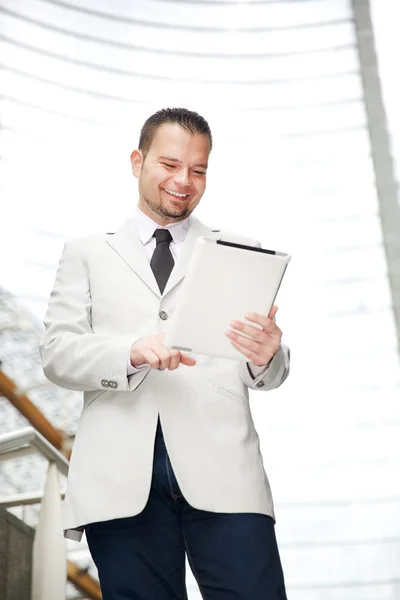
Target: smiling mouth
x,y
176,195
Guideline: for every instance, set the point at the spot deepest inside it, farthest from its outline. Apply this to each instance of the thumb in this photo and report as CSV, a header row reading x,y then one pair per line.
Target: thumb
x,y
273,311
187,360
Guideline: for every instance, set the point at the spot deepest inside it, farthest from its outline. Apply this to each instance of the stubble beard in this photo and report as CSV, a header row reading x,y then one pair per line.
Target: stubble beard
x,y
163,211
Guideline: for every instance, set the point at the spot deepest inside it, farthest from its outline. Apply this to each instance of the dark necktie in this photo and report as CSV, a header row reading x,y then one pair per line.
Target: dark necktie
x,y
162,260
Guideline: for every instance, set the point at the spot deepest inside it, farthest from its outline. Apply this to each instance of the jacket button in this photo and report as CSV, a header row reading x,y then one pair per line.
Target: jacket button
x,y
260,384
105,383
163,315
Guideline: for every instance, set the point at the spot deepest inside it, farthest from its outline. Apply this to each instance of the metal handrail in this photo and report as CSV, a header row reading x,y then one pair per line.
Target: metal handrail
x,y
28,436
44,438
26,499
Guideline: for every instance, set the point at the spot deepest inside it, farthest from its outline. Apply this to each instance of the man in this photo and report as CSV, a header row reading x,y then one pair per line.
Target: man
x,y
166,460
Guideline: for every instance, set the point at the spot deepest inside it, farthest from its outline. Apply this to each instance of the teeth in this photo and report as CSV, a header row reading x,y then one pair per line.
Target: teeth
x,y
176,194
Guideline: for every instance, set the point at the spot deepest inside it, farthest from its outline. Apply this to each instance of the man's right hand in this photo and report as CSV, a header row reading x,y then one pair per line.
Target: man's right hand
x,y
150,350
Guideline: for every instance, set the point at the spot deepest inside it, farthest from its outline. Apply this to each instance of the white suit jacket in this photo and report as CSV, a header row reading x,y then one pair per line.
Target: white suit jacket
x,y
105,297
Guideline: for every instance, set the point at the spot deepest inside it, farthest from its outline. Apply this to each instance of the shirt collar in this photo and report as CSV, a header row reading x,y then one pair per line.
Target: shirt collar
x,y
145,227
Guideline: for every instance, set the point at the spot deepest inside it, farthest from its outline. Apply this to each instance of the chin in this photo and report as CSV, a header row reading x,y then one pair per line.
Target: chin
x,y
179,215
175,212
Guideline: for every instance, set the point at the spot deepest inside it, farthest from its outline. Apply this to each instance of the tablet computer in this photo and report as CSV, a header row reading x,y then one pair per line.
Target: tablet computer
x,y
224,281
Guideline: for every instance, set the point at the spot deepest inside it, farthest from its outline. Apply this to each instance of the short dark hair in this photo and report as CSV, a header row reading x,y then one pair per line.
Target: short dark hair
x,y
188,119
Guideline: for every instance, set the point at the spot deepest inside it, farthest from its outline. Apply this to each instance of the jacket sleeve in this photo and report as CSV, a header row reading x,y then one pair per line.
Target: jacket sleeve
x,y
272,376
73,356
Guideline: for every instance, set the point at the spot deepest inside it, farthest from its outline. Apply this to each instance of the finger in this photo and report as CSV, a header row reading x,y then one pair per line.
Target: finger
x,y
249,344
164,355
251,356
273,311
150,358
254,332
262,320
269,326
187,360
175,360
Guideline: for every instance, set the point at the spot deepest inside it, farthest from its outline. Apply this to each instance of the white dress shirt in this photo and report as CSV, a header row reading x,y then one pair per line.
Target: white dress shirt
x,y
145,227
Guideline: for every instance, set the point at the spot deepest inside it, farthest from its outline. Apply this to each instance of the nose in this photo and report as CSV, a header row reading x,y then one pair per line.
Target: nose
x,y
182,177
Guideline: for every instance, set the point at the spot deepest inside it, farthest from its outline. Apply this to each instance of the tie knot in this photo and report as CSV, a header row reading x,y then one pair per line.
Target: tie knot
x,y
162,235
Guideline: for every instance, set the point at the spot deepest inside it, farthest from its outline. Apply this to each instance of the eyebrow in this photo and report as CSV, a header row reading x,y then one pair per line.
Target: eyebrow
x,y
170,159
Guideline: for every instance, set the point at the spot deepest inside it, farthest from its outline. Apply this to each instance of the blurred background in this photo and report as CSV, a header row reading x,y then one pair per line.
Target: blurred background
x,y
302,98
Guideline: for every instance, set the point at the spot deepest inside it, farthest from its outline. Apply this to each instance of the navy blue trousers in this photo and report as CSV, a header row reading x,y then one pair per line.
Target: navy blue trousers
x,y
232,556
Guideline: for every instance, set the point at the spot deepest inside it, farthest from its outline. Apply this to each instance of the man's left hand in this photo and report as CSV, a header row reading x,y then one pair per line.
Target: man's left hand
x,y
263,344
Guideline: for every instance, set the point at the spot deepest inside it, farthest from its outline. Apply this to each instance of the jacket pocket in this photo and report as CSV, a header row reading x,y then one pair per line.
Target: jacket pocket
x,y
92,396
229,393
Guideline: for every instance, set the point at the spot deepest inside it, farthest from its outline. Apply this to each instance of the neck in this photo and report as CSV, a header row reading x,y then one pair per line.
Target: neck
x,y
163,221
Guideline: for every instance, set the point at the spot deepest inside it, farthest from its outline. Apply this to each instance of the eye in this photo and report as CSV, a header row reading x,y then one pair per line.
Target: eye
x,y
168,165
200,172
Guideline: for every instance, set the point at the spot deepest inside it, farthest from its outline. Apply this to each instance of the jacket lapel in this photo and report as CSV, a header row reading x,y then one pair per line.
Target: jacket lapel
x,y
127,244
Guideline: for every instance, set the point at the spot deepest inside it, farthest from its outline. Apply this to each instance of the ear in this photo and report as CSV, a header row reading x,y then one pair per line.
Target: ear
x,y
137,162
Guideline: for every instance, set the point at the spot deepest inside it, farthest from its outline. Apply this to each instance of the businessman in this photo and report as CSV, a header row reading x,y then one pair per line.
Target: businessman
x,y
166,460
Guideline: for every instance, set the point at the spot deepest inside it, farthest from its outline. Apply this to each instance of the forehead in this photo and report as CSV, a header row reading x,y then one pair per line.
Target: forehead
x,y
172,140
